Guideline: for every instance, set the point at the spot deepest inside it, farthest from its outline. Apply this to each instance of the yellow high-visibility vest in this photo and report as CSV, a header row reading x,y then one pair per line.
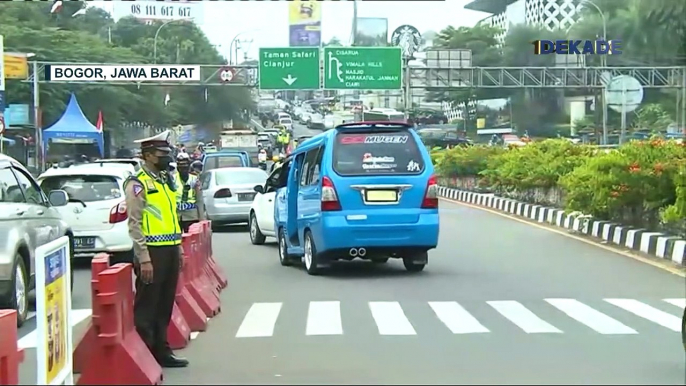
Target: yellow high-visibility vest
x,y
160,221
190,202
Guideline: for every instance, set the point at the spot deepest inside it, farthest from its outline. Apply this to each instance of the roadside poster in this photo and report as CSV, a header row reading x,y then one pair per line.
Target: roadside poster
x,y
53,312
305,23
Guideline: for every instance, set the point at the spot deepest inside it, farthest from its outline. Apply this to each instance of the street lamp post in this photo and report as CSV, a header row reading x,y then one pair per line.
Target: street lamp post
x,y
154,43
233,43
603,63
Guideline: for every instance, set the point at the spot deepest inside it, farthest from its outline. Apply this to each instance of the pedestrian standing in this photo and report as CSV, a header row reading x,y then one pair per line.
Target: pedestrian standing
x,y
154,228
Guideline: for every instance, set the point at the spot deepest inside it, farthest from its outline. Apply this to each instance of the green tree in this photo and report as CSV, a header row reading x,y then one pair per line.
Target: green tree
x,y
95,38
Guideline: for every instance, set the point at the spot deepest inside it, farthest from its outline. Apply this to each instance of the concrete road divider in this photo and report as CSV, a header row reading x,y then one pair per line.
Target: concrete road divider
x,y
118,343
85,346
10,355
197,280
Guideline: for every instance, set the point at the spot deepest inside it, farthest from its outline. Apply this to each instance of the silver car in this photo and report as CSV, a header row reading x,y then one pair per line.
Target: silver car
x,y
28,219
229,192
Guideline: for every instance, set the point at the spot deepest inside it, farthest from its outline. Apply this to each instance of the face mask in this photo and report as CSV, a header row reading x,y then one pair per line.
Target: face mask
x,y
183,170
163,162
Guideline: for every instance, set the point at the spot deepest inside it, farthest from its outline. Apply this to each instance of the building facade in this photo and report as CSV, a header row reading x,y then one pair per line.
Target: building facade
x,y
551,14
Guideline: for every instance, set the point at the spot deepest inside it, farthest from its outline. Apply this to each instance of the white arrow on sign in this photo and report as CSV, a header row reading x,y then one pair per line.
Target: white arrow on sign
x,y
289,80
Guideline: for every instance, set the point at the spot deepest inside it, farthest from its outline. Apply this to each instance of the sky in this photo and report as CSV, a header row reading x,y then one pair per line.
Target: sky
x,y
266,23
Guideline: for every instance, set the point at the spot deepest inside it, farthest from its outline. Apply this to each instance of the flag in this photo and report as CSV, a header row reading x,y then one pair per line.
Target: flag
x,y
99,123
81,11
56,6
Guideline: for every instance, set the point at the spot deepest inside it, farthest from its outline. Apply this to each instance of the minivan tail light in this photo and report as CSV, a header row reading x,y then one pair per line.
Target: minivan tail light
x,y
222,193
118,213
430,200
329,197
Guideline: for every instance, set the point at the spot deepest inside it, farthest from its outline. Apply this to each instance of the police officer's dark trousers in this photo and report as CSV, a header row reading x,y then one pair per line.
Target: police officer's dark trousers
x,y
154,302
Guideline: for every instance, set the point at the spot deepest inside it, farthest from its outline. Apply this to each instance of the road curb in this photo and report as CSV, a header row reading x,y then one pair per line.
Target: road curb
x,y
656,244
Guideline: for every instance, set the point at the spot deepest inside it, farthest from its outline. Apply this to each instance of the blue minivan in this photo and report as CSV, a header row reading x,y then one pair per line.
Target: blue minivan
x,y
226,159
362,190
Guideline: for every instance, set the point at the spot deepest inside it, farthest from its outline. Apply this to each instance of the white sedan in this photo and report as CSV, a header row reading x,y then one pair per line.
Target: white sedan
x,y
262,210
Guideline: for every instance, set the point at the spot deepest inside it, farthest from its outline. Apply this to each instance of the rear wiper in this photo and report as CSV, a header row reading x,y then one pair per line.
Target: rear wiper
x,y
77,201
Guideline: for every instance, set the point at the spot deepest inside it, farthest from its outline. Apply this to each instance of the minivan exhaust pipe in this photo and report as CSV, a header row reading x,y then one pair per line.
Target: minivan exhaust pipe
x,y
361,252
353,252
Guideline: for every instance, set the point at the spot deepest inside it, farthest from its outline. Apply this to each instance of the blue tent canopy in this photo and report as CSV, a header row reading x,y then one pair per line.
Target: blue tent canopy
x,y
73,125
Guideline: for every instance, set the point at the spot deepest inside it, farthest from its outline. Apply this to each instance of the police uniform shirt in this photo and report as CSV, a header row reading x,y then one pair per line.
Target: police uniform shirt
x,y
134,193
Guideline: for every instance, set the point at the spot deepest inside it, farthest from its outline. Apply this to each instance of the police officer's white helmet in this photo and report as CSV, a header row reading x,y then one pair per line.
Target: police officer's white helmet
x,y
183,157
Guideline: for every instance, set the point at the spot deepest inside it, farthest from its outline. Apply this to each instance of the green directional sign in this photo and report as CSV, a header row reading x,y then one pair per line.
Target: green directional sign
x,y
294,68
362,68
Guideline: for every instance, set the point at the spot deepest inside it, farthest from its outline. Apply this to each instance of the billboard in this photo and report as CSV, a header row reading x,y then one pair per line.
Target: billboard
x,y
305,23
151,11
371,32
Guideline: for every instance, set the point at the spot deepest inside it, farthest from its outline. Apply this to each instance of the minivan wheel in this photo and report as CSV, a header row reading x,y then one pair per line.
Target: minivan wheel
x,y
416,263
683,329
18,298
256,236
284,258
311,257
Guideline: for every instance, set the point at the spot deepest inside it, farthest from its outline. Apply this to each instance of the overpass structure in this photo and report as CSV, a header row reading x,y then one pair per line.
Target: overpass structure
x,y
445,79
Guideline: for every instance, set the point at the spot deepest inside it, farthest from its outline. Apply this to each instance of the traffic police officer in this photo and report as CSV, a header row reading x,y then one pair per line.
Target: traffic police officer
x,y
187,192
156,234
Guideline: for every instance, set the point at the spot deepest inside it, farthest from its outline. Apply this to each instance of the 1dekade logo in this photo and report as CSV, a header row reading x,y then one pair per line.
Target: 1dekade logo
x,y
112,73
577,47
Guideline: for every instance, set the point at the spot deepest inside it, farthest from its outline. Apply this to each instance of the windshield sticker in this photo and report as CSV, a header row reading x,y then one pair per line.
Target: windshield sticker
x,y
412,166
375,166
369,158
392,139
395,139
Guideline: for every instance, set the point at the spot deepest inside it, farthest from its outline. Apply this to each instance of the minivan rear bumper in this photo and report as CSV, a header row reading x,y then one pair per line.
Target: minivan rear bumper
x,y
338,233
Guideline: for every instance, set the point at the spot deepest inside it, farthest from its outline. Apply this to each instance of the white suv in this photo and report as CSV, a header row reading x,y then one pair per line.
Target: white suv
x,y
96,210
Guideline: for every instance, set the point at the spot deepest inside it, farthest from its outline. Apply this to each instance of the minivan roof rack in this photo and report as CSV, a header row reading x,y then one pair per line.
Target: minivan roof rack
x,y
374,124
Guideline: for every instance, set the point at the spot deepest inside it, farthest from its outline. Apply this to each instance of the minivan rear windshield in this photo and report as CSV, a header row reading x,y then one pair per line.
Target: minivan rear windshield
x,y
227,161
394,152
86,188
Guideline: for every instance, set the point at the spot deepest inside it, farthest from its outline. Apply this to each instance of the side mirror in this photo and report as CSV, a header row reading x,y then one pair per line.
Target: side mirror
x,y
58,198
259,188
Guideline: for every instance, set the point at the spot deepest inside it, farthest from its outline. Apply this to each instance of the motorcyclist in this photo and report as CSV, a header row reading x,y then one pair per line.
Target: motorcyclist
x,y
196,168
262,159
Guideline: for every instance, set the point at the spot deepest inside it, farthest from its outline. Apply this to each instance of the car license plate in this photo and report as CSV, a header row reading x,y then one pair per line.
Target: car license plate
x,y
84,242
381,195
246,196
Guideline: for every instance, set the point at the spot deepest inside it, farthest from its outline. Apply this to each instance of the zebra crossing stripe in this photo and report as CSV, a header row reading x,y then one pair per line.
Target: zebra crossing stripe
x,y
588,316
390,319
259,321
681,303
30,340
523,317
648,312
456,318
324,318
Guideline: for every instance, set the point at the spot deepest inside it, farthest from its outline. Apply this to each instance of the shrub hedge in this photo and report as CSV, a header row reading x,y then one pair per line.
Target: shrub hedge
x,y
641,183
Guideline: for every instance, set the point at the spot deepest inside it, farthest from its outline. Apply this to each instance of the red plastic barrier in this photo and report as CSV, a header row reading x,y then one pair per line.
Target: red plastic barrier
x,y
217,271
195,281
119,348
191,311
99,263
202,251
10,355
178,331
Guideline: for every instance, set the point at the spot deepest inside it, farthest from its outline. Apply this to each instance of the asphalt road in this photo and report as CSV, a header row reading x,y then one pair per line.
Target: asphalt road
x,y
500,302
